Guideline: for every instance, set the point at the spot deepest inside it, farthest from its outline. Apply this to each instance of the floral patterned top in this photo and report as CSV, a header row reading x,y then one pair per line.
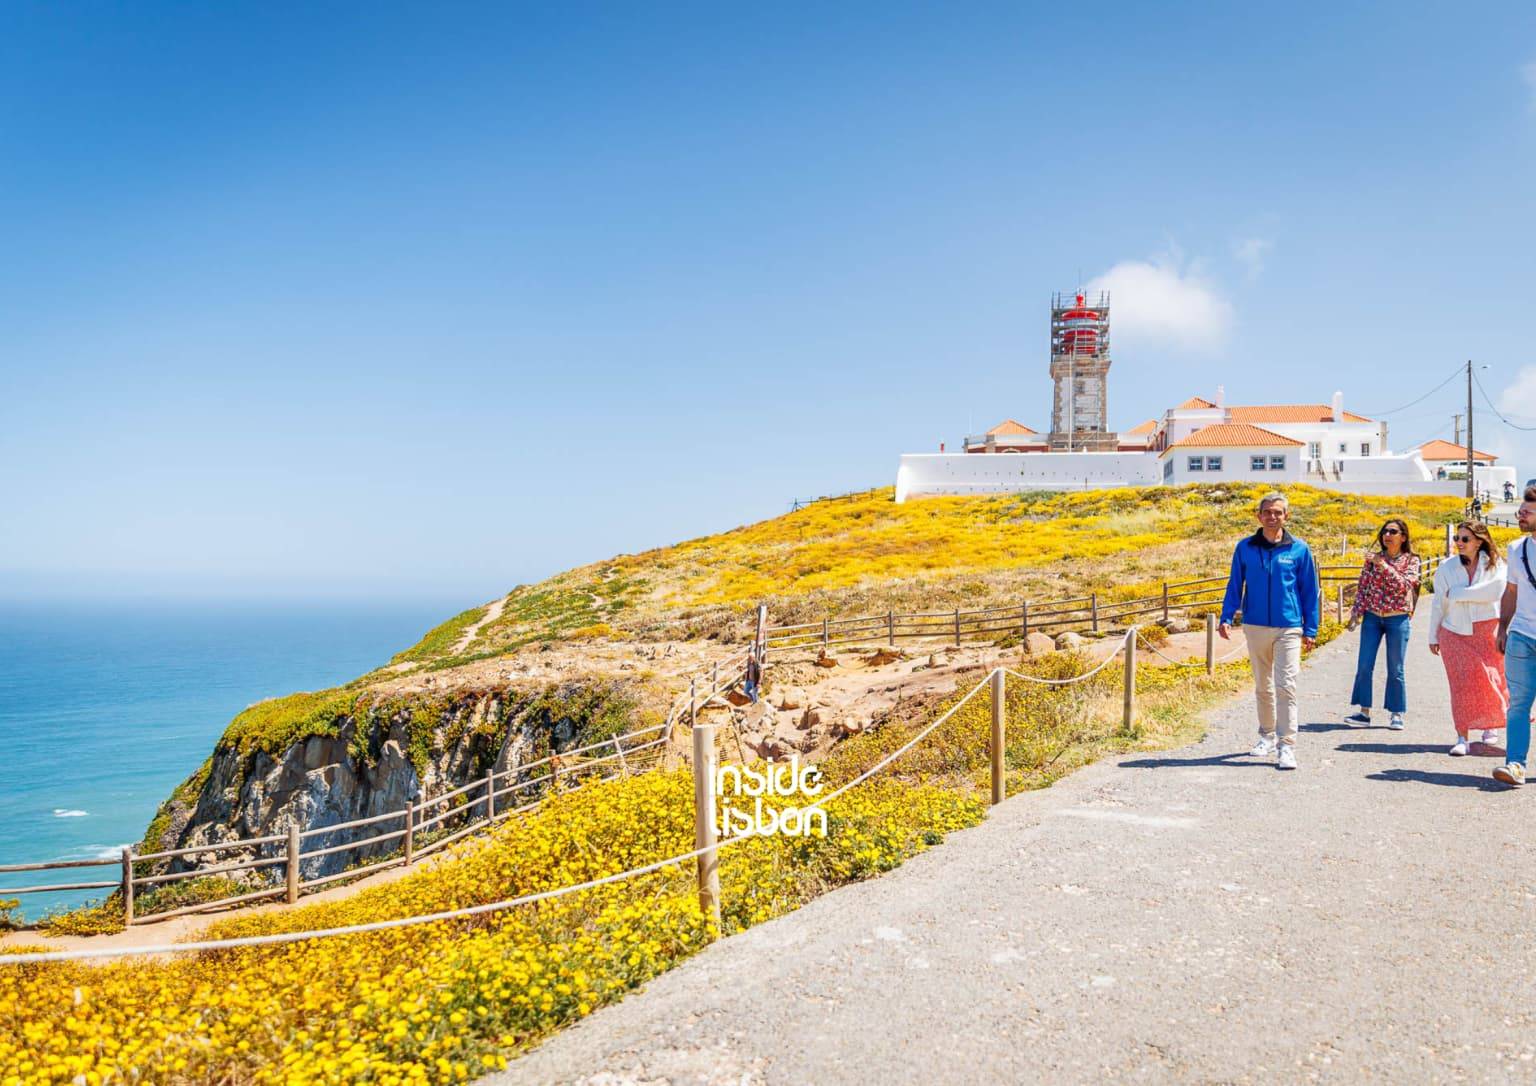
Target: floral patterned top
x,y
1387,587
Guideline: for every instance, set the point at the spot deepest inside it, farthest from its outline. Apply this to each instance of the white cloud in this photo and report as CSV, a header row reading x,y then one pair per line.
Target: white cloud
x,y
1251,254
1517,448
1162,303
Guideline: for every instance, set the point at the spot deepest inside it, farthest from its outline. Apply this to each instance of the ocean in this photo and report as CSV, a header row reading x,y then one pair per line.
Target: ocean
x,y
104,708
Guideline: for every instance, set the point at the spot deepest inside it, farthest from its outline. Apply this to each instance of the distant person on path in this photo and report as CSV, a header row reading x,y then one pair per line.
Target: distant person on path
x,y
1384,602
1274,583
1517,641
1463,631
1509,491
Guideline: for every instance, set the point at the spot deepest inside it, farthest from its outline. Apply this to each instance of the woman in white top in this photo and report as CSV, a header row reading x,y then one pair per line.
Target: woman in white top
x,y
1463,622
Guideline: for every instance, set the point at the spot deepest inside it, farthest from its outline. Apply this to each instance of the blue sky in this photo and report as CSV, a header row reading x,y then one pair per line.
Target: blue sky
x,y
427,300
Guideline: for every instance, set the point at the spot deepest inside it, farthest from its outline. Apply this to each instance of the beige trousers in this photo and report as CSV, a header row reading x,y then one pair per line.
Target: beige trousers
x,y
1274,652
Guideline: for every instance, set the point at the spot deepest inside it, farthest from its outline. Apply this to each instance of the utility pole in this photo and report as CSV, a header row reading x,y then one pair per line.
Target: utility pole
x,y
1471,484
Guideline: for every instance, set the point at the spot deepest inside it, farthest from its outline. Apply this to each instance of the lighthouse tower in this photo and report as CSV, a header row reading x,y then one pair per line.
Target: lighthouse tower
x,y
1080,369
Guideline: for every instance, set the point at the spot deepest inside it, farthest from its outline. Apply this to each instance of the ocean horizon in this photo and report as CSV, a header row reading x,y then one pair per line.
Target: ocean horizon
x,y
106,707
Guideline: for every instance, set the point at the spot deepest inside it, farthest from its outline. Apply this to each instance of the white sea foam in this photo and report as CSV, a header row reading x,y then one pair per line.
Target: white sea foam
x,y
65,812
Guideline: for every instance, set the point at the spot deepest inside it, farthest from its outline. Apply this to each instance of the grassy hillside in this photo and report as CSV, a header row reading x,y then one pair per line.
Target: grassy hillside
x,y
857,555
866,553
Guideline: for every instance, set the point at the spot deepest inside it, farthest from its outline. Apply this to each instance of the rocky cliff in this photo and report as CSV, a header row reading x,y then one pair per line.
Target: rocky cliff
x,y
370,754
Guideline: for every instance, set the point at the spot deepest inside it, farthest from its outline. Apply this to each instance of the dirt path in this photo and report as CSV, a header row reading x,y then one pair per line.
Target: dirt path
x,y
1188,916
492,613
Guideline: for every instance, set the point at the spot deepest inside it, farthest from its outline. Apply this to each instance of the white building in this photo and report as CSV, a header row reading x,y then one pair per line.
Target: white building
x,y
1199,441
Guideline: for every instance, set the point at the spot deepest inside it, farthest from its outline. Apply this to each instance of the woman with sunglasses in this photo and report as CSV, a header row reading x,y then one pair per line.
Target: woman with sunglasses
x,y
1384,599
1463,622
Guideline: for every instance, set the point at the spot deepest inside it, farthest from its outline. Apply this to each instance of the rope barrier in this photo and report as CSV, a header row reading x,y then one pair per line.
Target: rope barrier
x,y
280,938
1076,678
468,911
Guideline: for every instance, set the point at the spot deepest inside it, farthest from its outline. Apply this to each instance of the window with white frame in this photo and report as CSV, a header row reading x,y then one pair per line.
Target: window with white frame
x,y
1197,463
1365,448
1213,463
1256,463
1315,450
1277,463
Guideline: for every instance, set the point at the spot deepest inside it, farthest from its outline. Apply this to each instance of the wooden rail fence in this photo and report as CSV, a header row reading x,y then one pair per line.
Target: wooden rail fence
x,y
480,803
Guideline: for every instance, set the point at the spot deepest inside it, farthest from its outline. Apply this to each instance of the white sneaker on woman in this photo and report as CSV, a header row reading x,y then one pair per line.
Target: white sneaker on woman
x,y
1460,748
1263,748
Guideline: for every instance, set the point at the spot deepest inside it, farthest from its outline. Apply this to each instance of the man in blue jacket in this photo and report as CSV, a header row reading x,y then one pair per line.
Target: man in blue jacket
x,y
1274,583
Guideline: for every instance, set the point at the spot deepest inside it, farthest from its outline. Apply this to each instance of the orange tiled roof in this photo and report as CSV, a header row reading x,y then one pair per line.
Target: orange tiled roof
x,y
1008,426
1148,427
1232,434
1440,449
1194,402
1291,412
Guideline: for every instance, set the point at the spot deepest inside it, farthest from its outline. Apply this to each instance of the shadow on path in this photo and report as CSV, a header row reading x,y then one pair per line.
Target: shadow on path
x,y
1334,727
1394,748
1446,780
1238,759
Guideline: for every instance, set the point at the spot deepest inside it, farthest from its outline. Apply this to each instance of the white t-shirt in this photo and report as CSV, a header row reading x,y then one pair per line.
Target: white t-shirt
x,y
1524,621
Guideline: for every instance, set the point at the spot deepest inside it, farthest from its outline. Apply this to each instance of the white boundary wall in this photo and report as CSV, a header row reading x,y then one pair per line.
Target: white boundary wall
x,y
924,474
927,474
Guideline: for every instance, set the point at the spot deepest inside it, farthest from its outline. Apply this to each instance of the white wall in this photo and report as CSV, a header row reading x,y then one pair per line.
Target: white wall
x,y
1235,465
992,473
1330,435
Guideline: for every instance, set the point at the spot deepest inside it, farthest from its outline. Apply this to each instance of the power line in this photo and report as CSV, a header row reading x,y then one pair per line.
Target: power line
x,y
1495,410
1455,373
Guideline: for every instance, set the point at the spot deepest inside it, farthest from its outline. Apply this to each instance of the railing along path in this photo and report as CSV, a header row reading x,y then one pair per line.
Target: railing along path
x,y
956,623
709,845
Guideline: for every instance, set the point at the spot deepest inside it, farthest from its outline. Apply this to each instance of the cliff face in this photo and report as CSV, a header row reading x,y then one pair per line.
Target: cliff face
x,y
372,759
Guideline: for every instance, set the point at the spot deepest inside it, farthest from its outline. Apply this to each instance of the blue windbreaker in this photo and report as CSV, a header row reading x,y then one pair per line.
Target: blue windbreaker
x,y
1273,584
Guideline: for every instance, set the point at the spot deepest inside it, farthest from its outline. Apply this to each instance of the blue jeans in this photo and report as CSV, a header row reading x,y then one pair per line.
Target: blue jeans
x,y
1372,629
1520,671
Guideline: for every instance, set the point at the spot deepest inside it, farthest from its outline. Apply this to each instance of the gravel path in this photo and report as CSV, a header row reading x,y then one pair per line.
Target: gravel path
x,y
1193,916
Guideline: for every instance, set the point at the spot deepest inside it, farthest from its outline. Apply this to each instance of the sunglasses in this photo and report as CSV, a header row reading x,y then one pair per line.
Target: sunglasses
x,y
1391,531
1466,539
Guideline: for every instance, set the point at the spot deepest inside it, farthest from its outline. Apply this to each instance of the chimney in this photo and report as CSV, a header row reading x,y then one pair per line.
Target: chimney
x,y
1221,395
1338,407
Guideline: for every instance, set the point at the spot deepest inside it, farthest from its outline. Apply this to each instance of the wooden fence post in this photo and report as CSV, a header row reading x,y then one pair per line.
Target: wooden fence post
x,y
823,637
623,761
292,867
490,794
1210,643
1338,602
410,830
1093,606
1024,621
127,887
957,627
704,834
890,627
1130,679
998,725
1165,601
693,704
714,676
1450,534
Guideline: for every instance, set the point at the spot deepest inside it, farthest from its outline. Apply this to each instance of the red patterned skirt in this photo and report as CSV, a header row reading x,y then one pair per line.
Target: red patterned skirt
x,y
1475,670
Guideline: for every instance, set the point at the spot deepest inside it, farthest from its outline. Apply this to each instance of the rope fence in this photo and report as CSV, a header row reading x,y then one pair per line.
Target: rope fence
x,y
561,776
705,831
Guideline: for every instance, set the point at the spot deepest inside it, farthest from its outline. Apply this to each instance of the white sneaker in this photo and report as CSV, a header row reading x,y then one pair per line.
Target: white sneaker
x,y
1396,723
1263,748
1287,759
1460,748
